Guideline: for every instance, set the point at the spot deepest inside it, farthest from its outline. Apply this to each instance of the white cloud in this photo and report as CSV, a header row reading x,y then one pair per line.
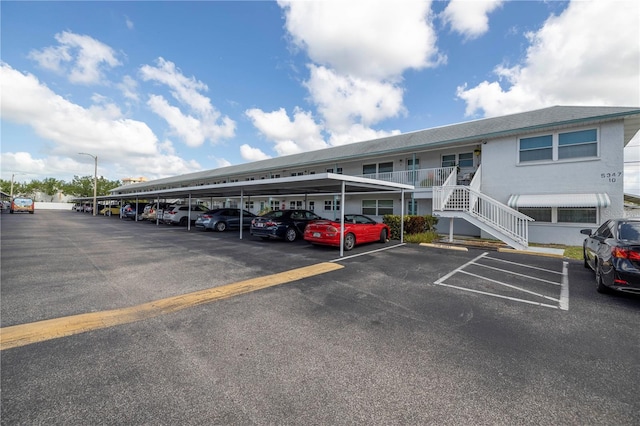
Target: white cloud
x,y
369,39
128,145
291,136
85,55
470,18
588,55
345,100
129,88
359,51
203,122
252,154
128,22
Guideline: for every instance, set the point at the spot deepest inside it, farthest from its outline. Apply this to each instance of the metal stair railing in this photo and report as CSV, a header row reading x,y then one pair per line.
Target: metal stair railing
x,y
491,212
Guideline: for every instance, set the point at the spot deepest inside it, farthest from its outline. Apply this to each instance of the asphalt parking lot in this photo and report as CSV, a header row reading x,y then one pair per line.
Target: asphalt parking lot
x,y
117,322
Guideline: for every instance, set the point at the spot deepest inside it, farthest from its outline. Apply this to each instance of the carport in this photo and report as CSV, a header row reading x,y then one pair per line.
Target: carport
x,y
323,183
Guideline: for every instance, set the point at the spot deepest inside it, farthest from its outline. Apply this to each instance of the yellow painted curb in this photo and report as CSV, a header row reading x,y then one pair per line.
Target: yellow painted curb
x,y
444,246
25,334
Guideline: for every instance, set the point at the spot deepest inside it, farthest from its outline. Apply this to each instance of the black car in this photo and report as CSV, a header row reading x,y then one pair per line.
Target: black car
x,y
613,252
222,219
282,224
129,211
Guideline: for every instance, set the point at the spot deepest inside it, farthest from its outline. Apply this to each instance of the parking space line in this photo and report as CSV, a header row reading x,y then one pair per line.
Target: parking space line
x,y
366,252
517,274
533,293
564,287
25,334
458,269
562,301
525,266
500,296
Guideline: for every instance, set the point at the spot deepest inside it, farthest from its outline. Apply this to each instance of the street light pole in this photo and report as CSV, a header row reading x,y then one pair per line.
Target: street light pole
x,y
95,181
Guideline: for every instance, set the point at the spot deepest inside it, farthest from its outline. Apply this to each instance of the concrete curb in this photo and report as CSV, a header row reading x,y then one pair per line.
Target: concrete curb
x,y
444,246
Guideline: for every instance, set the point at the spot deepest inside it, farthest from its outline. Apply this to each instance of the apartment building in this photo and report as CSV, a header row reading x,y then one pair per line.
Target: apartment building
x,y
538,176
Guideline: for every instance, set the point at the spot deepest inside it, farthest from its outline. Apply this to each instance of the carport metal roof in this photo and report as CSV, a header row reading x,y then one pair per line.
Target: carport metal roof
x,y
322,183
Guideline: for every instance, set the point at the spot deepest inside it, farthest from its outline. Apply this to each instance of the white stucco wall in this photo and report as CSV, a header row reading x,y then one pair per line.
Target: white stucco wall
x,y
502,176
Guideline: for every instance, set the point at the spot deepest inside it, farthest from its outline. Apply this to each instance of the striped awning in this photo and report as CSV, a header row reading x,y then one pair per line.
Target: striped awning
x,y
559,200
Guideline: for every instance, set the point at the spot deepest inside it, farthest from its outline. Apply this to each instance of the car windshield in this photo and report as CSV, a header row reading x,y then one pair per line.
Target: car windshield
x,y
630,231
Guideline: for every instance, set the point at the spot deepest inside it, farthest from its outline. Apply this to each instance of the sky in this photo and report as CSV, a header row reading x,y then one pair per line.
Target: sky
x,y
162,88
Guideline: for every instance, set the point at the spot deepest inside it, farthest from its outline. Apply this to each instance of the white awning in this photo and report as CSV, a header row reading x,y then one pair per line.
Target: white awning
x,y
559,200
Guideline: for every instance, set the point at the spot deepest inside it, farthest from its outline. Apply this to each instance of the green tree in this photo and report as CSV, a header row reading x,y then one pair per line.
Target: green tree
x,y
83,186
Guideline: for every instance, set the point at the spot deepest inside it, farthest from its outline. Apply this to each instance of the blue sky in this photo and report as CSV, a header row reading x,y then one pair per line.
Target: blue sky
x,y
158,89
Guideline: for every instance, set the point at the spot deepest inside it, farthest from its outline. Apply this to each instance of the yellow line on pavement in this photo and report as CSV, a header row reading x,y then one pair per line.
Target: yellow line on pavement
x,y
25,334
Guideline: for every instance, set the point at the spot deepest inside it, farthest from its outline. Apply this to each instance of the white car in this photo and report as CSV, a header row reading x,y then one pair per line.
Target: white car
x,y
178,215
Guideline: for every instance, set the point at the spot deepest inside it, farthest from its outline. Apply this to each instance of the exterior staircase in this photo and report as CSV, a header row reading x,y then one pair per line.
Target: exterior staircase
x,y
491,216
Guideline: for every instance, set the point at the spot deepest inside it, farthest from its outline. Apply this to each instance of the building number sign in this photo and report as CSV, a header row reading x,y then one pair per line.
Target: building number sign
x,y
611,176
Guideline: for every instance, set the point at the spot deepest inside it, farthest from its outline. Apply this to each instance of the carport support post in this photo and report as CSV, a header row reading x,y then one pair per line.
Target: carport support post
x,y
450,229
401,217
342,218
189,214
157,211
241,211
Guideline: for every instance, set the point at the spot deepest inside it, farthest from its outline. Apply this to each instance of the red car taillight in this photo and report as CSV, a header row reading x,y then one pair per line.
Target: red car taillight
x,y
623,253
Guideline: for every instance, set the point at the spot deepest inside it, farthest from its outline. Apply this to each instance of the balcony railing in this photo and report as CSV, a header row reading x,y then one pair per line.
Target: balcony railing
x,y
420,178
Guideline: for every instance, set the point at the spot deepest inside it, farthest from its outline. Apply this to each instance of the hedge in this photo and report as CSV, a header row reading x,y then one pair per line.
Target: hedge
x,y
413,224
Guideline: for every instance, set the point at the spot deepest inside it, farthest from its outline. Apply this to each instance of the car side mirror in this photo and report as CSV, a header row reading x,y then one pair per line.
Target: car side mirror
x,y
586,232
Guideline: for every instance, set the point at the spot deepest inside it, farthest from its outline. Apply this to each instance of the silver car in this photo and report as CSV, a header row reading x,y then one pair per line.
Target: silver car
x,y
222,219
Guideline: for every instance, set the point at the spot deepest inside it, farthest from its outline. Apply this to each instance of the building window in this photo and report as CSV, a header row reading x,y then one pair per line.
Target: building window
x,y
338,170
561,146
372,169
275,205
385,167
539,214
561,214
377,207
583,143
465,160
410,165
312,205
577,215
449,160
248,205
369,169
537,148
295,204
330,205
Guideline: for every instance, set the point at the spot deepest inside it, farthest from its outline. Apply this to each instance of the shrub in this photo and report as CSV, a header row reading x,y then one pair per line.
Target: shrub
x,y
422,237
412,224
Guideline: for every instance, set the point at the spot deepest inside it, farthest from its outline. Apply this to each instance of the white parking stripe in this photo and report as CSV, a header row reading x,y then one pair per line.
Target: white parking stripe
x,y
450,274
510,286
523,265
500,296
564,288
515,273
561,303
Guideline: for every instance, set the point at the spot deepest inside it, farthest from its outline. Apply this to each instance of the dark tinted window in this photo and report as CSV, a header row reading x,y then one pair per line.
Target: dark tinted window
x,y
629,231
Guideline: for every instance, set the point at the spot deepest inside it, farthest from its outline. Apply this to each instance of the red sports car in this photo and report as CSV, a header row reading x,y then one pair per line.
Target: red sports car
x,y
358,229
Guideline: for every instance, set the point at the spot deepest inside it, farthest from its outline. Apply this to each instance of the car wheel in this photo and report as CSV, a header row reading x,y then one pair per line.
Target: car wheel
x,y
383,236
108,212
349,241
221,226
290,235
183,221
600,287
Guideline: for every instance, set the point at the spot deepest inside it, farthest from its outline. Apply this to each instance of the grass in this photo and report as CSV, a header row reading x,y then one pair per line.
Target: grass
x,y
570,252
